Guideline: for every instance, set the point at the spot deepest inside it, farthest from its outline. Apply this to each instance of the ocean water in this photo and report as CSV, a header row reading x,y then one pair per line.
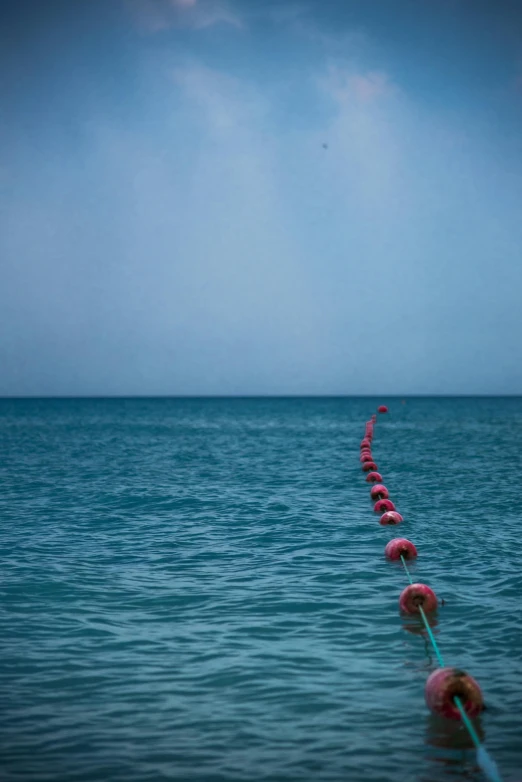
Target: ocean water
x,y
195,589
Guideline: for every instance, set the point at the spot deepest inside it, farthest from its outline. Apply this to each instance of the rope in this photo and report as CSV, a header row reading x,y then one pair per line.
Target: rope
x,y
426,623
484,760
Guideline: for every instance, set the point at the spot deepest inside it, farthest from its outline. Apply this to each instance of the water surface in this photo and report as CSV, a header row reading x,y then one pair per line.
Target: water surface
x,y
196,589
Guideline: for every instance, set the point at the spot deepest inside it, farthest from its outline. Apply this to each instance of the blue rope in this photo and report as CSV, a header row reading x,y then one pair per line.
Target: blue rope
x,y
484,760
426,623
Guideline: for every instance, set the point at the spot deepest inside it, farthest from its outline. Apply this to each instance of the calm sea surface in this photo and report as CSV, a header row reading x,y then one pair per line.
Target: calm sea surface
x,y
196,589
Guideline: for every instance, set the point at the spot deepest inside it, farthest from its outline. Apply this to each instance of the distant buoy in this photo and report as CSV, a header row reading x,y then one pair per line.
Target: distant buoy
x,y
400,547
415,596
373,477
365,443
382,409
368,466
381,506
379,492
366,457
391,517
444,685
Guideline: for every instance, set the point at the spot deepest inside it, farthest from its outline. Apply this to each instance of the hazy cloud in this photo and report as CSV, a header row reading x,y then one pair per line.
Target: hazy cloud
x,y
345,85
156,15
265,219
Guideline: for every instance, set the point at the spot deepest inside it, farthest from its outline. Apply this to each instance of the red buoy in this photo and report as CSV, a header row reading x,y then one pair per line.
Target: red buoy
x,y
400,547
444,685
381,506
379,492
382,409
417,596
368,466
391,517
373,477
366,457
365,443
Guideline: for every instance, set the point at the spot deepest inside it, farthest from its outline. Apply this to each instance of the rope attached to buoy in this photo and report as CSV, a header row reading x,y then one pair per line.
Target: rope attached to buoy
x,y
448,680
484,760
425,620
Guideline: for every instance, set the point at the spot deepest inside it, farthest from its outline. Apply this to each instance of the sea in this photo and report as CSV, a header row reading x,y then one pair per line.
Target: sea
x,y
196,589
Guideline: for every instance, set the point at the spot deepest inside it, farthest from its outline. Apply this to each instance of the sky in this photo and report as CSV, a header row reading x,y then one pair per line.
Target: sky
x,y
202,197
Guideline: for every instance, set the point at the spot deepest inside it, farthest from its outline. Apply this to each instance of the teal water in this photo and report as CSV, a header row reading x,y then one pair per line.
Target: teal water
x,y
196,589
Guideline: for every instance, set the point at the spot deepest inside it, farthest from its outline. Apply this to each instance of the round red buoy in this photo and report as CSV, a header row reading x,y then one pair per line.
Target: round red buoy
x,y
444,685
366,457
391,517
382,409
381,506
373,477
379,492
400,547
365,443
415,596
368,466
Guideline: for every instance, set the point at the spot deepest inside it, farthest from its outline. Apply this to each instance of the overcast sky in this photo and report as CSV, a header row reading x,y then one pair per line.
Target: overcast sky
x,y
210,197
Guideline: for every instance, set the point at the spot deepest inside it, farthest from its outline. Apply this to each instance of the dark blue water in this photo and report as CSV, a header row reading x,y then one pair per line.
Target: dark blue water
x,y
196,589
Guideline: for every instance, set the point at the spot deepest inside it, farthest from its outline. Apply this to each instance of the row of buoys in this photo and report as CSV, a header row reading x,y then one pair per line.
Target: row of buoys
x,y
446,688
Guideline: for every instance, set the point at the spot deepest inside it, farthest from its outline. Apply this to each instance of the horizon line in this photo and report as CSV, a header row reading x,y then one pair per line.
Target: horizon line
x,y
14,397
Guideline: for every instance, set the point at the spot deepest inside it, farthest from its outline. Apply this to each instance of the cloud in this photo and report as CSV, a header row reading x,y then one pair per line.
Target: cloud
x,y
153,16
218,247
149,16
221,101
365,129
208,267
345,85
371,86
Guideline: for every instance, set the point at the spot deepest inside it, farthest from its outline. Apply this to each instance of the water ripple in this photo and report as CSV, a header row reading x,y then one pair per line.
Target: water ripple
x,y
196,589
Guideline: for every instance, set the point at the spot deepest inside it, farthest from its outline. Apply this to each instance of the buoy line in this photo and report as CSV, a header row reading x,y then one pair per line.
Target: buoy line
x,y
449,692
